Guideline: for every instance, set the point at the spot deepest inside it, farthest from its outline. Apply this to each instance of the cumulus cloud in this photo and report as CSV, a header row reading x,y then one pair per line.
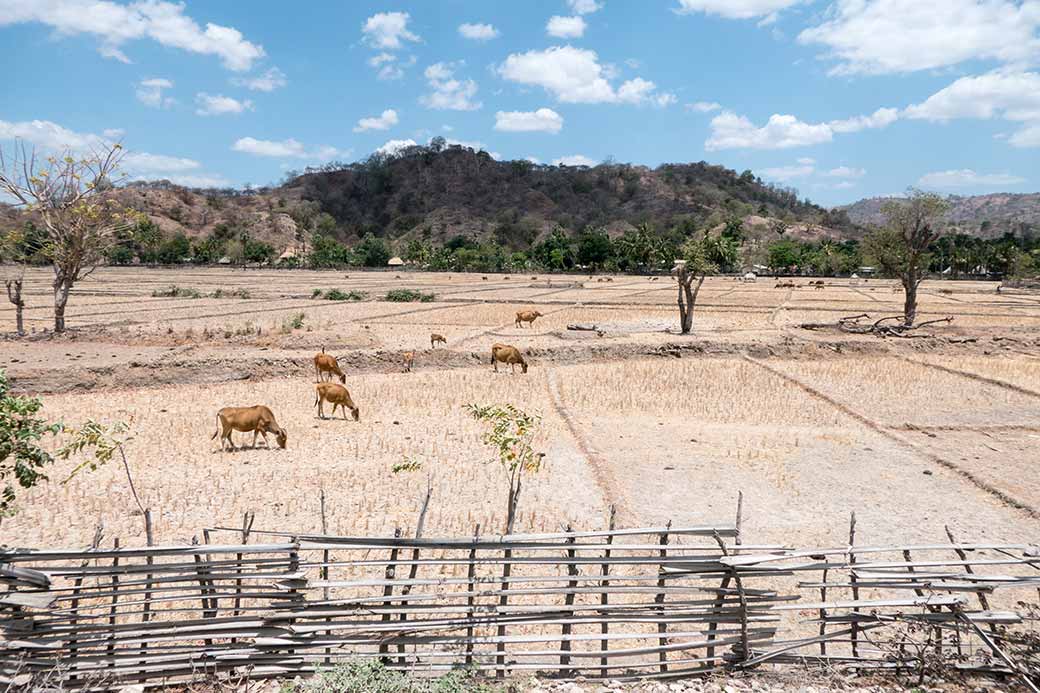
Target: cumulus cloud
x,y
218,104
735,9
388,30
449,93
542,120
967,178
391,147
846,172
384,121
150,93
115,24
703,106
732,131
51,137
574,75
478,32
268,81
289,148
1013,96
893,36
574,160
584,6
565,27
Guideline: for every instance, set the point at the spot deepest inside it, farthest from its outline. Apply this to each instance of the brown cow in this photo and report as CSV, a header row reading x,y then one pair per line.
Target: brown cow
x,y
409,359
258,419
434,338
528,316
507,354
327,364
338,396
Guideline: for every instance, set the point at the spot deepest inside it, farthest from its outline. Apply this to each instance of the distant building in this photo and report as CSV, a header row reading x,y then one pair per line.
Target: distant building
x,y
395,262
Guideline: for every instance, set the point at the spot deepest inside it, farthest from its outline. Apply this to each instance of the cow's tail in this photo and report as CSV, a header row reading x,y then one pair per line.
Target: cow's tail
x,y
218,428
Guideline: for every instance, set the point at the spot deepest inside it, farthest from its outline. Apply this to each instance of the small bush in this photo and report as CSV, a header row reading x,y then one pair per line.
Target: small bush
x,y
337,295
293,322
408,296
174,291
371,676
235,293
316,293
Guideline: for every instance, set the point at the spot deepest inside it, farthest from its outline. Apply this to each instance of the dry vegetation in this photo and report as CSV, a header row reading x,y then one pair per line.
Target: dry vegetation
x,y
825,424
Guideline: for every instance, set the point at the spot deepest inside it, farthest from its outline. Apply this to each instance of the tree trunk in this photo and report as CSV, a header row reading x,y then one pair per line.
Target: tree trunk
x,y
910,283
14,294
687,300
62,286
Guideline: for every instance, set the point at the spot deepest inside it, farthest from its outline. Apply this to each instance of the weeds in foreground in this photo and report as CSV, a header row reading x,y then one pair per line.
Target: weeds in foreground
x,y
371,676
408,296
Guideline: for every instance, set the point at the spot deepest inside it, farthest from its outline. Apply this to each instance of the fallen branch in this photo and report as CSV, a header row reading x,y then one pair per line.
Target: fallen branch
x,y
853,325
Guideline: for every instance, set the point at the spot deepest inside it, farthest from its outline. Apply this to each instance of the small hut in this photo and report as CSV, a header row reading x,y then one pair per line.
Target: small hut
x,y
395,261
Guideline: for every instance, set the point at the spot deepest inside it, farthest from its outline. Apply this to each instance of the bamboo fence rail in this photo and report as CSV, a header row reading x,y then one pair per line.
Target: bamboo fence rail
x,y
620,603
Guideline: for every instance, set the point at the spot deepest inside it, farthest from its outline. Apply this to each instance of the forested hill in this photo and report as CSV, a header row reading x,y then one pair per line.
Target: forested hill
x,y
442,192
985,216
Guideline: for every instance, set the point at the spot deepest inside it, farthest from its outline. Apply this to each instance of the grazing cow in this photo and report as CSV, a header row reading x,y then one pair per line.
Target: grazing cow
x,y
327,364
338,396
409,359
434,338
507,354
528,316
819,285
484,278
258,419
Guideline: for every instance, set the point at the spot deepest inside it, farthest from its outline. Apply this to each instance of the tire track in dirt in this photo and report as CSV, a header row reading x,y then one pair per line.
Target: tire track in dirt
x,y
608,485
889,434
973,376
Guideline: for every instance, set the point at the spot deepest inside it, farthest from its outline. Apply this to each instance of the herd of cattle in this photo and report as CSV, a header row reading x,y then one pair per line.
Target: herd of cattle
x,y
259,419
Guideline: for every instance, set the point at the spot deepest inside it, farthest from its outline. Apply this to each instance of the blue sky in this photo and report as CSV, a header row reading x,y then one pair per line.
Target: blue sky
x,y
842,99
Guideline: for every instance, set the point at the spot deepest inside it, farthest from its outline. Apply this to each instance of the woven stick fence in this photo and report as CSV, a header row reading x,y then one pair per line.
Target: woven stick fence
x,y
619,603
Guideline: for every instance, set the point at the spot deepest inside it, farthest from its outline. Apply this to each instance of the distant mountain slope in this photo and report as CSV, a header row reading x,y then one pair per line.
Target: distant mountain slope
x,y
986,216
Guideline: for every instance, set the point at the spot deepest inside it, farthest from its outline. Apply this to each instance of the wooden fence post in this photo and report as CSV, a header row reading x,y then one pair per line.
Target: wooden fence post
x,y
503,600
568,601
471,575
247,526
74,606
147,609
604,597
324,572
413,571
110,650
388,575
853,581
662,625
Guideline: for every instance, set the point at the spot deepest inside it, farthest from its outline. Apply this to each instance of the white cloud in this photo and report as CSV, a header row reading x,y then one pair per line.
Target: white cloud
x,y
115,24
584,6
574,75
150,93
967,178
1013,96
218,104
806,160
113,133
846,172
732,131
542,120
881,118
391,147
383,121
478,32
786,173
388,66
289,148
735,9
449,93
574,160
703,106
892,36
534,160
51,138
268,81
388,30
565,27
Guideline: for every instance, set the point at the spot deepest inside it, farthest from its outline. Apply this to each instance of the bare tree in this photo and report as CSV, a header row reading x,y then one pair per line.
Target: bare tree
x,y
72,197
700,257
901,248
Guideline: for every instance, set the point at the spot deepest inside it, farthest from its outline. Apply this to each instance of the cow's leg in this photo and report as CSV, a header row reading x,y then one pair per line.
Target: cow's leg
x,y
256,432
263,434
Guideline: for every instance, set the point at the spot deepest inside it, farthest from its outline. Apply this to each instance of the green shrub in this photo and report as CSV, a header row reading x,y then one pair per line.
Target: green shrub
x,y
408,296
316,293
337,295
174,291
293,322
234,293
371,676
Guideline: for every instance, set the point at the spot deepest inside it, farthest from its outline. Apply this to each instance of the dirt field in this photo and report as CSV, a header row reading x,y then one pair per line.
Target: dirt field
x,y
910,434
